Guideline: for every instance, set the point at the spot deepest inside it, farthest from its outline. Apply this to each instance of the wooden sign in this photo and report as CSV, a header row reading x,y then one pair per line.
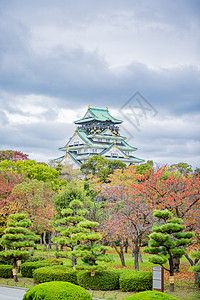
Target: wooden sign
x,y
158,279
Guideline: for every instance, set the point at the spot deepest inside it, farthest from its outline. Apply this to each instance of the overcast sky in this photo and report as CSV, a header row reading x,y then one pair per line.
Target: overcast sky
x,y
139,58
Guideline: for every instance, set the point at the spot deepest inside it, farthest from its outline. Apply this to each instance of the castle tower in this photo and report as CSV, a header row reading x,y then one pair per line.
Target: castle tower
x,y
97,133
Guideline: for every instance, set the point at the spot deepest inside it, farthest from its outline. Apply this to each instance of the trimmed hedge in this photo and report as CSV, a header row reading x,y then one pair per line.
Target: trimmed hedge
x,y
55,273
103,280
57,290
6,271
136,281
151,295
27,268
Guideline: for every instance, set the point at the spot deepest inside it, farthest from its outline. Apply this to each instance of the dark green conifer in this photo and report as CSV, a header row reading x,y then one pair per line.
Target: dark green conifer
x,y
16,240
168,241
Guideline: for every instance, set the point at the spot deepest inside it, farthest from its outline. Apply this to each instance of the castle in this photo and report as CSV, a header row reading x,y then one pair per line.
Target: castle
x,y
97,133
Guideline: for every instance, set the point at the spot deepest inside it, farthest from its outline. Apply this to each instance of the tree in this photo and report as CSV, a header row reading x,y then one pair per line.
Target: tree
x,y
167,241
8,180
16,239
89,249
127,221
12,155
68,227
183,168
114,230
101,167
73,191
33,170
196,265
35,198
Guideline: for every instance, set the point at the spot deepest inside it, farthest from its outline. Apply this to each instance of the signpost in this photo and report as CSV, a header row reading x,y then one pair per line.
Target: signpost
x,y
158,279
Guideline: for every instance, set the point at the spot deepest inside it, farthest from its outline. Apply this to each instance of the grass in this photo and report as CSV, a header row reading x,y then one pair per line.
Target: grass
x,y
185,288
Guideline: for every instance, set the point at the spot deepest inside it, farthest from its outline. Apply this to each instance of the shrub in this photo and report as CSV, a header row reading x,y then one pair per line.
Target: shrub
x,y
57,290
136,281
103,280
35,258
28,267
6,271
55,273
148,295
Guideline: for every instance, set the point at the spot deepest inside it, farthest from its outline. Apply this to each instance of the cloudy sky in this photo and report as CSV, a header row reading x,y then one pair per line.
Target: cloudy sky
x,y
139,58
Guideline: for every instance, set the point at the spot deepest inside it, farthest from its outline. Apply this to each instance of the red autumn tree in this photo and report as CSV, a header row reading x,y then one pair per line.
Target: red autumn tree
x,y
35,199
12,155
172,190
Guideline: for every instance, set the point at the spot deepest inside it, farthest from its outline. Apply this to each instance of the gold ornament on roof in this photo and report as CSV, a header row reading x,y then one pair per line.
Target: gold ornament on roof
x,y
88,106
106,107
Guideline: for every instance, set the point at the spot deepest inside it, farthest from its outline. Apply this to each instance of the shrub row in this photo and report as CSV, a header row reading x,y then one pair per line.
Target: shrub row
x,y
55,273
103,280
57,290
5,271
27,268
136,281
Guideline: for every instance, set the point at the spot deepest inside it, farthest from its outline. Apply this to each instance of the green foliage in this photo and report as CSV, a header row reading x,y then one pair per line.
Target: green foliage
x,y
16,237
101,167
167,240
33,170
196,267
89,250
5,271
150,295
57,290
142,169
27,268
73,191
102,280
182,167
55,273
136,281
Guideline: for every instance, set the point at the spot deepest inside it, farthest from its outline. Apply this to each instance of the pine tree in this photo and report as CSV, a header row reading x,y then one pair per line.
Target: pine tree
x,y
16,239
67,227
90,250
167,241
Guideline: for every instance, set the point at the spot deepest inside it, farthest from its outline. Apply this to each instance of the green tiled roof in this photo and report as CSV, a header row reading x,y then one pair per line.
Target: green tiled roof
x,y
74,159
98,114
127,146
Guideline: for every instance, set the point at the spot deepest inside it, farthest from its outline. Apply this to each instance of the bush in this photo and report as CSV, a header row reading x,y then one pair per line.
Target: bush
x,y
6,271
27,268
150,295
57,290
103,280
136,281
35,258
55,273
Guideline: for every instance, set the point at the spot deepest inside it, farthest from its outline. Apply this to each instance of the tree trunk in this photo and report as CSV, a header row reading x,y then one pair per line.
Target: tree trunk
x,y
120,253
140,257
176,264
126,246
74,261
171,278
15,272
196,277
18,266
192,263
136,251
44,240
49,240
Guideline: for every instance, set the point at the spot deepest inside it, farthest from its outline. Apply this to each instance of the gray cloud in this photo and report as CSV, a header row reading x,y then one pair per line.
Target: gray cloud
x,y
66,55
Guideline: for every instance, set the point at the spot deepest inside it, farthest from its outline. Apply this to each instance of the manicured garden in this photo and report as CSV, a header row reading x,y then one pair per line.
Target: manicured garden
x,y
114,283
